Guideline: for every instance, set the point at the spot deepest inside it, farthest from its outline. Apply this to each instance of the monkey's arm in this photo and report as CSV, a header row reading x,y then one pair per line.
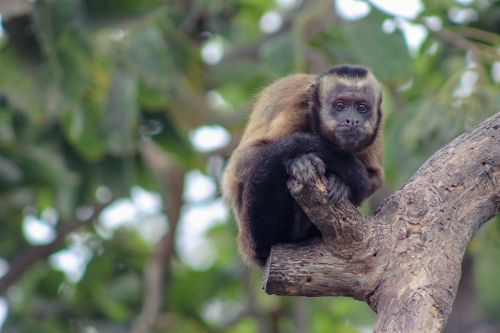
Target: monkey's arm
x,y
373,159
239,171
255,184
249,187
279,111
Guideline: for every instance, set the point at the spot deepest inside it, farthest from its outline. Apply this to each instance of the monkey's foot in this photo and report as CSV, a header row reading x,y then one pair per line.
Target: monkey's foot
x,y
306,169
337,190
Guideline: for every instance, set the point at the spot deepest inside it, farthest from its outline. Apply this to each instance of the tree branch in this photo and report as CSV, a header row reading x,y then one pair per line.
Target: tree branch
x,y
34,254
405,260
157,270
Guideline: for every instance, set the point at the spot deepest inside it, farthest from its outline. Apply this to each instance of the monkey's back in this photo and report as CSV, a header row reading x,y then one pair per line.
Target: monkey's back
x,y
280,110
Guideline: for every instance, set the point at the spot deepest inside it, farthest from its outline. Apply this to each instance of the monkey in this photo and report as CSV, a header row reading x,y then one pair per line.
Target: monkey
x,y
304,126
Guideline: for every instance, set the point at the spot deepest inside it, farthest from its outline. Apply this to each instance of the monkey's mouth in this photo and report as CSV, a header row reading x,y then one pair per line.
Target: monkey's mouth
x,y
349,138
350,132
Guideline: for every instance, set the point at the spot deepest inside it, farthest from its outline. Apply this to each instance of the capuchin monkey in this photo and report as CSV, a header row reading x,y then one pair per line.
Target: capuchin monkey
x,y
305,127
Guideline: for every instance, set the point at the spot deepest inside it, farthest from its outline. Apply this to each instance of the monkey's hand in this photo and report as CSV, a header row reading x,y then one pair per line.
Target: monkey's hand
x,y
306,169
337,190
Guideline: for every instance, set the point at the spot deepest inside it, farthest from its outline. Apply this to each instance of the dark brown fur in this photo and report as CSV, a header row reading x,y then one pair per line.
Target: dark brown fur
x,y
281,110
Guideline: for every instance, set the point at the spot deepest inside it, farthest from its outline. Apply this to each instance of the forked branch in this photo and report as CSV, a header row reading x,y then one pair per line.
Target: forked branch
x,y
405,260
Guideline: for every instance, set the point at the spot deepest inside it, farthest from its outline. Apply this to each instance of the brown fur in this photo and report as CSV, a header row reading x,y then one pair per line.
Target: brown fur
x,y
282,109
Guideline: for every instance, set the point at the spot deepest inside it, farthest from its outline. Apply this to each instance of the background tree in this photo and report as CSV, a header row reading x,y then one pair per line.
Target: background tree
x,y
107,173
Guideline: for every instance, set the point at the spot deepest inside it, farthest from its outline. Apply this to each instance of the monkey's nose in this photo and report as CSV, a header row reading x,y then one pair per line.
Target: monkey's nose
x,y
351,122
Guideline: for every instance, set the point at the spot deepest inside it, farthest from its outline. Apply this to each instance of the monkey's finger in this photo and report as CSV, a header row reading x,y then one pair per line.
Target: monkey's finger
x,y
313,168
337,190
316,163
305,169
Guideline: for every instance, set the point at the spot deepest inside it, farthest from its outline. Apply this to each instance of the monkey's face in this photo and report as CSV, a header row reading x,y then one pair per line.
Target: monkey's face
x,y
348,114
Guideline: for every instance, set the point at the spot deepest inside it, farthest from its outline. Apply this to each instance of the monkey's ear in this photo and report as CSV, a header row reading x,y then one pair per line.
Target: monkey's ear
x,y
379,103
314,105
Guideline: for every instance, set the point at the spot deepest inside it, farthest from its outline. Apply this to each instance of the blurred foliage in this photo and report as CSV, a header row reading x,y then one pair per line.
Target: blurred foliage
x,y
84,84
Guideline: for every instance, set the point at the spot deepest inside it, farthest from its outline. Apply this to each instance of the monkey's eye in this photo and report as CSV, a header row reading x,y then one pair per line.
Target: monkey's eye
x,y
341,106
362,107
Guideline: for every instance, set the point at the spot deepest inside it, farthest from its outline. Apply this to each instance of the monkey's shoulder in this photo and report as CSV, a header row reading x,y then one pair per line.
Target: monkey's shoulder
x,y
280,109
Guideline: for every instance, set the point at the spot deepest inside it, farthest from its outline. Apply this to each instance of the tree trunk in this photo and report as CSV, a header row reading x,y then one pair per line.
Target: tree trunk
x,y
404,261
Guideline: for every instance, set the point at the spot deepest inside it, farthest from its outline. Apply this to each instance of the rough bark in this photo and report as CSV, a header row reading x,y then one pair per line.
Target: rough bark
x,y
405,261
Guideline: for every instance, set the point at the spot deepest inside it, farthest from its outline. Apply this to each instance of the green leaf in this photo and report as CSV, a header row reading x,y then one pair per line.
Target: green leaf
x,y
147,54
169,137
10,173
106,9
28,92
75,60
365,43
50,282
7,134
373,48
81,127
120,121
278,55
45,166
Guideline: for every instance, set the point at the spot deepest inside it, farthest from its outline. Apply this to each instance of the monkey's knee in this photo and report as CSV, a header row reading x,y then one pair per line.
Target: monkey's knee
x,y
337,190
306,168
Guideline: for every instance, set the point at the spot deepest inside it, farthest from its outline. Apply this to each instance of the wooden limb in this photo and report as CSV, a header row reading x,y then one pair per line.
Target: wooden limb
x,y
35,254
405,260
311,269
157,270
